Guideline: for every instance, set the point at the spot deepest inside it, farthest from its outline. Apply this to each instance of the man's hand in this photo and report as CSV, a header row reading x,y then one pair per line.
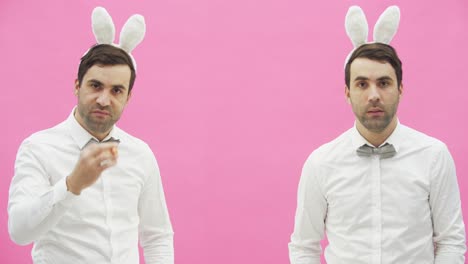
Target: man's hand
x,y
94,159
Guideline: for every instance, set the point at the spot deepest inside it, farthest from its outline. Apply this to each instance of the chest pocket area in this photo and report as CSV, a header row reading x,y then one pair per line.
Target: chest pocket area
x,y
349,209
124,192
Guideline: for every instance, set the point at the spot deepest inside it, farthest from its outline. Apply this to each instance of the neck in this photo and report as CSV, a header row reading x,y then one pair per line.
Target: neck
x,y
377,138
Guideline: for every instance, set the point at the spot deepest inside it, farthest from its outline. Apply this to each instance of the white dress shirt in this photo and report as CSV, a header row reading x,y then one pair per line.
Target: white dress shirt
x,y
400,210
104,223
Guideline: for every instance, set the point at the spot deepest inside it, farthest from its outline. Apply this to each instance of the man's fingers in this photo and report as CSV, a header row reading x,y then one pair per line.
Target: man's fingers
x,y
106,158
115,151
95,150
100,155
106,146
107,163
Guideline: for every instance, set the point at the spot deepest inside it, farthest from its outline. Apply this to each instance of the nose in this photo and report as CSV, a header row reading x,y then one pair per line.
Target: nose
x,y
103,98
373,95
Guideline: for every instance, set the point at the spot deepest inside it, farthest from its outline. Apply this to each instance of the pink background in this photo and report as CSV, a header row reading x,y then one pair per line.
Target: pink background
x,y
232,96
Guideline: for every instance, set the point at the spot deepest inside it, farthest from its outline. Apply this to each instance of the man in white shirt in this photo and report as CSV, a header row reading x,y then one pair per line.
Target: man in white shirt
x,y
85,191
382,192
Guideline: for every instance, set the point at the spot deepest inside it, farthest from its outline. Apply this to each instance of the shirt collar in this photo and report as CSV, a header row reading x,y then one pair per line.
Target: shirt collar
x,y
81,135
395,138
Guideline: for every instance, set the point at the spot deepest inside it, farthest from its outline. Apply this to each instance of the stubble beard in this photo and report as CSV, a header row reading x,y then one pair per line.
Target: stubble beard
x,y
378,124
96,125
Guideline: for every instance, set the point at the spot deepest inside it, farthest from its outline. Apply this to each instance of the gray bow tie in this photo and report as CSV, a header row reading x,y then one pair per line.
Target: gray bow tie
x,y
385,151
94,141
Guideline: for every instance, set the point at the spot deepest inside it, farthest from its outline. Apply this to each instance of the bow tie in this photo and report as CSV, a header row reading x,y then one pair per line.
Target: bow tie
x,y
385,151
94,141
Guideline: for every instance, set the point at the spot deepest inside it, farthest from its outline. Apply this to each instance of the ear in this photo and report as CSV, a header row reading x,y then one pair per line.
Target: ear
x,y
356,26
132,33
77,87
387,25
347,94
400,89
103,27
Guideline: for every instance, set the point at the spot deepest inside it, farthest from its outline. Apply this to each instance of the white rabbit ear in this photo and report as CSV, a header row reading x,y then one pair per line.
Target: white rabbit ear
x,y
356,26
103,27
132,33
387,25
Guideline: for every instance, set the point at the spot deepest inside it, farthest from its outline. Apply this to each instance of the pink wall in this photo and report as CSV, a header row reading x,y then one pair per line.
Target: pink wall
x,y
232,96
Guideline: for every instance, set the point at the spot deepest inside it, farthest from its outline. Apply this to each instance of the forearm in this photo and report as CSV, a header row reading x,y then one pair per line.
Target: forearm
x,y
302,254
155,228
449,228
452,258
449,239
156,234
450,247
305,247
158,248
31,217
309,223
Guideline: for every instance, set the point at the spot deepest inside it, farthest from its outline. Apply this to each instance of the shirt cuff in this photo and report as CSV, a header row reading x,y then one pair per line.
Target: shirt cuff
x,y
452,259
62,195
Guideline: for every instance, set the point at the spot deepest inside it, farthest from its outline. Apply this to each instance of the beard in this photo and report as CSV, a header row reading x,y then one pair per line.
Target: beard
x,y
95,124
377,124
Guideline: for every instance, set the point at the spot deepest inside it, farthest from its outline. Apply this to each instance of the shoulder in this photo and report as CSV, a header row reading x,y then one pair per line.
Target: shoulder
x,y
332,150
419,139
48,136
334,147
421,148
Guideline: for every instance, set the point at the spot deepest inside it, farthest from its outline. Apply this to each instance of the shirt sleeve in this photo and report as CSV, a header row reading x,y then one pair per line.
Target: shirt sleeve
x,y
155,229
309,226
34,205
449,229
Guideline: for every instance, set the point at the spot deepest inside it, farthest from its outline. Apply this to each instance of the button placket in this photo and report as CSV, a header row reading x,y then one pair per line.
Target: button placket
x,y
106,183
376,208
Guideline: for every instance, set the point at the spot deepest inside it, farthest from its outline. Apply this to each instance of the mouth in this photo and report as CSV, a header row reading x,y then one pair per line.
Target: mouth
x,y
100,113
375,112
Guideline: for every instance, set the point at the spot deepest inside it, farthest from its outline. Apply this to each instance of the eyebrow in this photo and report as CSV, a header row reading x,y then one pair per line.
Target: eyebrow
x,y
119,86
94,81
361,78
383,78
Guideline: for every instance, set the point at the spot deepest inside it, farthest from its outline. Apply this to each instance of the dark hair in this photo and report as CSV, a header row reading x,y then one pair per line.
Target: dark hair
x,y
105,54
378,52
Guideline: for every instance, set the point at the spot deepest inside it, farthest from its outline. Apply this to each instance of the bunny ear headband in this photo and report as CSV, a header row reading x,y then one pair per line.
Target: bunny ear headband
x,y
384,30
131,35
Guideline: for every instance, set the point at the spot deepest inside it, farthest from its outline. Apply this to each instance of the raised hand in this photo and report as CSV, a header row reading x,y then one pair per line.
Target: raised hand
x,y
94,159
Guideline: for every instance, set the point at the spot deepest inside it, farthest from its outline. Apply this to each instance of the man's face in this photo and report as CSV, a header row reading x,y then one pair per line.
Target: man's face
x,y
373,94
102,96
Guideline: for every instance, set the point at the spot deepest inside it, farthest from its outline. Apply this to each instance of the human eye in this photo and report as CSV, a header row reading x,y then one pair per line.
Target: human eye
x,y
117,90
384,83
95,85
361,84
